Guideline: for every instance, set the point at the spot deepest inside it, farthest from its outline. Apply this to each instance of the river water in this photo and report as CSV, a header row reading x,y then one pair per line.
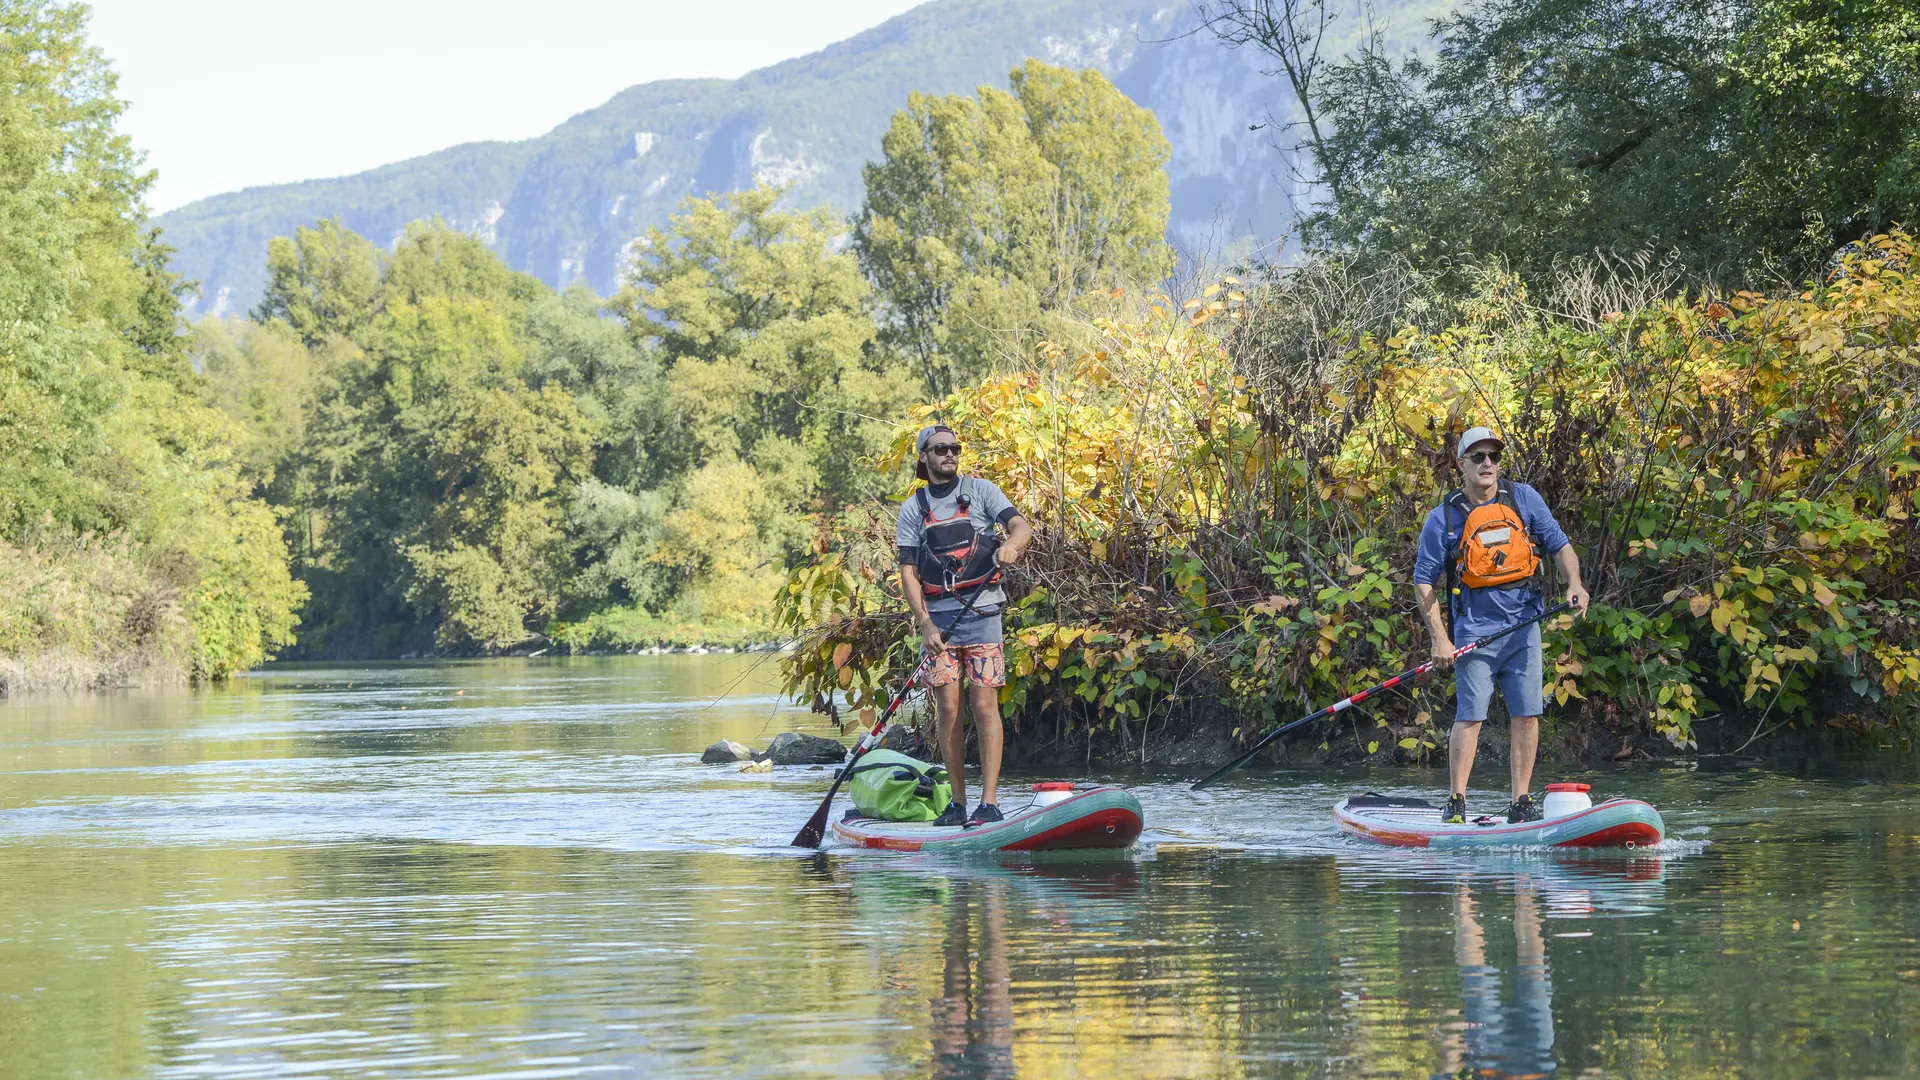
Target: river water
x,y
520,869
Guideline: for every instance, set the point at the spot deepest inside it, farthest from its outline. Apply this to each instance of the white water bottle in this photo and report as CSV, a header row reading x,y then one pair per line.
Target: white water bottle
x,y
1051,792
1564,799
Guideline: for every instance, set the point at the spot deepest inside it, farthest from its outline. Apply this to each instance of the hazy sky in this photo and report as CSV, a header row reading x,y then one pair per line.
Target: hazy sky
x,y
225,94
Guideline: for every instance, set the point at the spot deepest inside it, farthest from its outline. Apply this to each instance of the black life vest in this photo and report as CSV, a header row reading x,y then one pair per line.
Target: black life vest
x,y
955,557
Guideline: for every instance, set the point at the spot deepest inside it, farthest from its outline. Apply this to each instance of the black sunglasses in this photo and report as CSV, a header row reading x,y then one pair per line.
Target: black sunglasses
x,y
1479,456
944,448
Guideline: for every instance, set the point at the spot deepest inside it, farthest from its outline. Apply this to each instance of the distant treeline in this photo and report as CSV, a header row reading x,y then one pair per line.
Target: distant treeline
x,y
418,450
467,461
415,449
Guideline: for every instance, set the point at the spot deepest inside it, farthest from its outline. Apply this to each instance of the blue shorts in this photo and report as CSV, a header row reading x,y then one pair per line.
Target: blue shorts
x,y
1513,662
974,628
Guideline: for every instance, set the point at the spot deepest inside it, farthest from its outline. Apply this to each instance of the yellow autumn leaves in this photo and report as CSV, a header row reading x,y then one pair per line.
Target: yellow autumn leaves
x,y
1217,527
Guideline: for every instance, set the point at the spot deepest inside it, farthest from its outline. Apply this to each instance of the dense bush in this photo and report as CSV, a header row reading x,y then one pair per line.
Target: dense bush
x,y
1228,497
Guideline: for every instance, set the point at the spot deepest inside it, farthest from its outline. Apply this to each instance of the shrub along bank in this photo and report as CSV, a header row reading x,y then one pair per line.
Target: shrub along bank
x,y
1227,497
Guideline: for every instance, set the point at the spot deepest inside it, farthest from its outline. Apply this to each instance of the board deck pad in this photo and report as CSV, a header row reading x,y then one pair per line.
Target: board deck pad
x,y
1416,823
1094,816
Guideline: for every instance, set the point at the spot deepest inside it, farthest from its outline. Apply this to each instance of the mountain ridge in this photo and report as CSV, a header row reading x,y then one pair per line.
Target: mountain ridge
x,y
572,204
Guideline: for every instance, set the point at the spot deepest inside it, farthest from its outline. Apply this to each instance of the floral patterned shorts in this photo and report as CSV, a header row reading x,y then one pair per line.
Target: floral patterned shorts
x,y
985,665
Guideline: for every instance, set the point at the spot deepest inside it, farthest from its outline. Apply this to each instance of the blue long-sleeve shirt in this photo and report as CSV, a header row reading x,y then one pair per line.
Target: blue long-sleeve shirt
x,y
1479,612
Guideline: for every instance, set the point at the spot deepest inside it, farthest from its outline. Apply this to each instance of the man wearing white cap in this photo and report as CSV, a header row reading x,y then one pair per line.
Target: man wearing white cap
x,y
1484,541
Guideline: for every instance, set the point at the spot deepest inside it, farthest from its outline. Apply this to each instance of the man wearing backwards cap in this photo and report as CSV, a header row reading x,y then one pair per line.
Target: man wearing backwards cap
x,y
1478,611
950,552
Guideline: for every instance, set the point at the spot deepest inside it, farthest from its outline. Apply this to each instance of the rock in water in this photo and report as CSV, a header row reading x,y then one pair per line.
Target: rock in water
x,y
793,748
724,751
904,740
757,766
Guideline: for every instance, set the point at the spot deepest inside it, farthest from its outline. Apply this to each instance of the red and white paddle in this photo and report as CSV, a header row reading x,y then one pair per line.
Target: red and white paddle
x,y
1346,703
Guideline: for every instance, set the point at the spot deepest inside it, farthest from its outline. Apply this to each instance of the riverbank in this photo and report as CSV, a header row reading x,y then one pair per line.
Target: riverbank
x,y
65,671
1565,741
632,631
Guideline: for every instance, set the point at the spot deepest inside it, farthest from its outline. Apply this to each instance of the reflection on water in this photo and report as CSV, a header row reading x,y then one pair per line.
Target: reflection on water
x,y
1505,1036
973,1016
1507,1004
521,870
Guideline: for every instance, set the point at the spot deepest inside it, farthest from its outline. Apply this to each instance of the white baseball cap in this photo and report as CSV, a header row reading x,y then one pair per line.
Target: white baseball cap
x,y
1474,437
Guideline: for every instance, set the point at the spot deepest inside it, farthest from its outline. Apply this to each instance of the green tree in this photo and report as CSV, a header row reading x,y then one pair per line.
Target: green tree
x,y
262,375
618,386
763,334
753,407
442,476
987,213
615,532
113,462
1829,111
321,282
1748,139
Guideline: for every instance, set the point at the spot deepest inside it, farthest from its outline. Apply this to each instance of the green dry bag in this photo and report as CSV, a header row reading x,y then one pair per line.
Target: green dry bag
x,y
894,787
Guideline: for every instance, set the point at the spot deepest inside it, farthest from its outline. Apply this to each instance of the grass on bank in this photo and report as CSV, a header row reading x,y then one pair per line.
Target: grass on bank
x,y
628,629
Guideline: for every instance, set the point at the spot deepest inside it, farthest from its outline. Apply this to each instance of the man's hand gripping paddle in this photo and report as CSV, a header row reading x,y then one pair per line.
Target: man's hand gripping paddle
x,y
1345,703
815,829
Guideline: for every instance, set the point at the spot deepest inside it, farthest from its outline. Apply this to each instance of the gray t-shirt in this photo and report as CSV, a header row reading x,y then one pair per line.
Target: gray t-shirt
x,y
989,508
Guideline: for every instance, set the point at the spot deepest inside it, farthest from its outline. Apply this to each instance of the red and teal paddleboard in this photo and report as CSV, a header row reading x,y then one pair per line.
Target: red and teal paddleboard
x,y
1416,823
1093,816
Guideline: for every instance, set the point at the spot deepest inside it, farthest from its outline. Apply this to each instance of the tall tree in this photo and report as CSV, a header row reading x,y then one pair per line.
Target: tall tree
x,y
443,477
1747,138
1829,113
322,282
770,393
987,213
100,423
763,332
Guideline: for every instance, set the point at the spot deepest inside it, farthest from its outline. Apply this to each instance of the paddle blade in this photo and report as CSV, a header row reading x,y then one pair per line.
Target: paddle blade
x,y
815,829
1223,770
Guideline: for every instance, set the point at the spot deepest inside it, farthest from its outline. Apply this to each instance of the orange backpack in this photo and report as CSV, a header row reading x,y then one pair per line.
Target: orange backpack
x,y
1495,549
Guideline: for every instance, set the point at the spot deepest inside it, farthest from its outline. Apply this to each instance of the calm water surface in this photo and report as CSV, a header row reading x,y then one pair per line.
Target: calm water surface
x,y
520,869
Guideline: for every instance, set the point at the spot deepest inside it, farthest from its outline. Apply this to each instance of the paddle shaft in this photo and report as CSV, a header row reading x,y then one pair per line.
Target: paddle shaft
x,y
1349,702
815,829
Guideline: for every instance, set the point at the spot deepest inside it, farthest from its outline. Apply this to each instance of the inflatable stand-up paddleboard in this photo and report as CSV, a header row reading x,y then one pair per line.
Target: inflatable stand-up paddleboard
x,y
1571,821
1062,817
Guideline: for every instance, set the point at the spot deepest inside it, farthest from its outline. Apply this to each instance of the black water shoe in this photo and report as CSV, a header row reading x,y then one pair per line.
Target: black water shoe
x,y
1524,809
984,813
1456,811
954,816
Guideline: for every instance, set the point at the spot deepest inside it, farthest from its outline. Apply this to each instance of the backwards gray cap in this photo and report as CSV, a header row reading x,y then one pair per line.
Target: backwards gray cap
x,y
1475,436
926,436
920,442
